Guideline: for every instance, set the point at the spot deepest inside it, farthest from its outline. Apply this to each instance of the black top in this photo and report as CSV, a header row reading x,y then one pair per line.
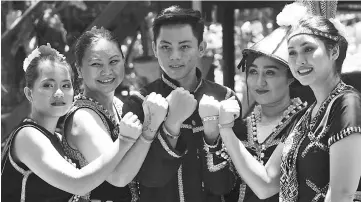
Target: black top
x,y
105,191
16,174
263,151
305,168
191,172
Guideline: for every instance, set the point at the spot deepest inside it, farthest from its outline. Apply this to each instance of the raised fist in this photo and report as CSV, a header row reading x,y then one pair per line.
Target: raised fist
x,y
130,126
181,105
208,106
155,109
229,110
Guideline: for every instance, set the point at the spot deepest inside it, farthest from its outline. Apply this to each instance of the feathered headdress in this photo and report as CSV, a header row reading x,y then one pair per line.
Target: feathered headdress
x,y
326,9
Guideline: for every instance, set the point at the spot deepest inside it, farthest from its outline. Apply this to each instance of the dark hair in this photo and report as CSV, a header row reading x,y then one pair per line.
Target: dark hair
x,y
90,37
323,25
175,15
43,53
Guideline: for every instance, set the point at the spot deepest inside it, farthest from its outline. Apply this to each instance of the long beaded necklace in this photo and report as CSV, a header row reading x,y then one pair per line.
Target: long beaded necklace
x,y
255,118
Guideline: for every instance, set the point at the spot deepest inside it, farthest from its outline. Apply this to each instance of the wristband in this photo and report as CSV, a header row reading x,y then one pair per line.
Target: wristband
x,y
210,118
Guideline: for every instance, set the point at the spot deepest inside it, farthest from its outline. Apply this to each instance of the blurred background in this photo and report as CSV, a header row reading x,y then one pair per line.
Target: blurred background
x,y
230,27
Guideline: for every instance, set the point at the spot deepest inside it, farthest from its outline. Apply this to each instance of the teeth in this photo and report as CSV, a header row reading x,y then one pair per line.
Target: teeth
x,y
304,70
106,81
175,66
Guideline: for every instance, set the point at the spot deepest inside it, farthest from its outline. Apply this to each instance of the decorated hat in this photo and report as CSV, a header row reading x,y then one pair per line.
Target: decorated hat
x,y
274,46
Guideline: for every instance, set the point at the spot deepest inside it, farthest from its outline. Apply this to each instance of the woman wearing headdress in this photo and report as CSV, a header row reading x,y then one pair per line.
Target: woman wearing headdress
x,y
92,125
34,164
270,83
319,160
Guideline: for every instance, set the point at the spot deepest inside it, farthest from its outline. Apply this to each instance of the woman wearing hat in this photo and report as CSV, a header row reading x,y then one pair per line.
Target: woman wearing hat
x,y
269,82
320,158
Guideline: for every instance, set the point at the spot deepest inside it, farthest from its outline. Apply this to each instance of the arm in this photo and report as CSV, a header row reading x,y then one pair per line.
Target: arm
x,y
263,180
36,151
87,133
162,161
345,168
219,177
344,143
155,109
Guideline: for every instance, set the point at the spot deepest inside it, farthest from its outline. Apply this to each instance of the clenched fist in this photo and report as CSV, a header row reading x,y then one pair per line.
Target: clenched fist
x,y
181,105
208,106
155,109
229,111
130,126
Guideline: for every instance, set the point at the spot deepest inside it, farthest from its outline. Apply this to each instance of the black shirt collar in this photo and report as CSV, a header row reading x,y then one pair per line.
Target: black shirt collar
x,y
175,84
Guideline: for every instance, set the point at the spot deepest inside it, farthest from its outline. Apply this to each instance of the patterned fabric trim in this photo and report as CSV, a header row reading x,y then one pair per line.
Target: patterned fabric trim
x,y
342,134
357,196
166,147
73,153
187,126
242,192
26,175
133,186
180,184
198,129
320,192
229,93
211,146
210,165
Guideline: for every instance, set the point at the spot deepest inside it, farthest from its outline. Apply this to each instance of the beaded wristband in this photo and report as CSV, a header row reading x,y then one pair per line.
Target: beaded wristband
x,y
210,118
226,125
168,134
127,139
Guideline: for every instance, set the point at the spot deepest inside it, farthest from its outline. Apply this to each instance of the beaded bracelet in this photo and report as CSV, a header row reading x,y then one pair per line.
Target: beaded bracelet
x,y
168,133
210,118
127,139
226,125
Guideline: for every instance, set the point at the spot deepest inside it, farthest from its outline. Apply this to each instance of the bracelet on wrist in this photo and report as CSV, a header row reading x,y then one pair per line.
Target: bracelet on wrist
x,y
210,118
168,133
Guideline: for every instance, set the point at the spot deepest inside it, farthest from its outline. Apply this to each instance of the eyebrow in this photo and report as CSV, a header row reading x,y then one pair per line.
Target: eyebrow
x,y
93,58
271,67
266,66
303,44
185,41
53,80
114,56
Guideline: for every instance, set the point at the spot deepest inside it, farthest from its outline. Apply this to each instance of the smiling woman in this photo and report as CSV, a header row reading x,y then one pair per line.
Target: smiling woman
x,y
34,165
96,121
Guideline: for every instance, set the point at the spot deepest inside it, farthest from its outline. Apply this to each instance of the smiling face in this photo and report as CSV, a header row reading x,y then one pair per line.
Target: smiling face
x,y
178,51
267,80
309,60
102,67
52,92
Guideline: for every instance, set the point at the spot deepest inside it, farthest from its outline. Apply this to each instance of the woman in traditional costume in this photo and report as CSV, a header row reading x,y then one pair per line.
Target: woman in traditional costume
x,y
34,165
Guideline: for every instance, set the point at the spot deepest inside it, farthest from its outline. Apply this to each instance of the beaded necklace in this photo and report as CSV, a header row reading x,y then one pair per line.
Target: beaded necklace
x,y
295,106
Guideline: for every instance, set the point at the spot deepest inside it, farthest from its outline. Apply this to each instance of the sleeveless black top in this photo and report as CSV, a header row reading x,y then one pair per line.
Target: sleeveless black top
x,y
19,183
